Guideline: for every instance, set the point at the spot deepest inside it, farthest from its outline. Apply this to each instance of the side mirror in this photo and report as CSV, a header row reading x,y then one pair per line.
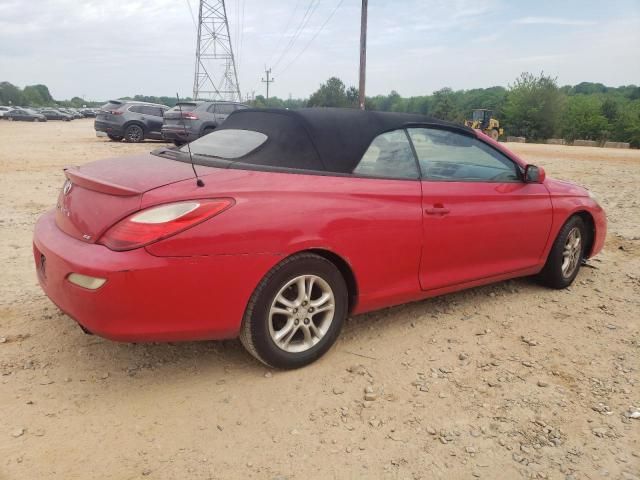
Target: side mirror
x,y
534,174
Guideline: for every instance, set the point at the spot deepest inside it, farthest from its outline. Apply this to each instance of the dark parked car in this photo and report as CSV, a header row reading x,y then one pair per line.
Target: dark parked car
x,y
88,113
198,118
131,121
53,114
25,115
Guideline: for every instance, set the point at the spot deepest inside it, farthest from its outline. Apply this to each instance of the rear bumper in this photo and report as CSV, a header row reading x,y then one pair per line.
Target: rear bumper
x,y
145,297
109,128
178,133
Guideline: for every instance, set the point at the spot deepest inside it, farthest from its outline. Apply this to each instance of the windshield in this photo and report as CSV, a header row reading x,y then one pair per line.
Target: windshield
x,y
184,107
111,106
227,144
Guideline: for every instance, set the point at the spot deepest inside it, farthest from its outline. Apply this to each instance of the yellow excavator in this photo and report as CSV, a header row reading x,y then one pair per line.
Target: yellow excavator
x,y
482,119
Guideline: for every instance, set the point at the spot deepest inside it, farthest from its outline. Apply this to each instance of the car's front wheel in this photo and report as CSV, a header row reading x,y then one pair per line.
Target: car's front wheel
x,y
565,257
296,312
134,134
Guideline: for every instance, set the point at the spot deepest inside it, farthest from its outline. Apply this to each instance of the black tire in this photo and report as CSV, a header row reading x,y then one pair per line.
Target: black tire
x,y
134,133
553,275
115,138
255,333
178,143
207,131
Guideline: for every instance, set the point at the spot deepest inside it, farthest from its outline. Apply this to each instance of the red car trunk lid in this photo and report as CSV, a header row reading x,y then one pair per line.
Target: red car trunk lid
x,y
97,195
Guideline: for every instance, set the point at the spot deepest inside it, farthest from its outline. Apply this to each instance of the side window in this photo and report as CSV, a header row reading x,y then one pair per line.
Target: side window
x,y
153,111
136,109
450,156
390,156
212,108
224,108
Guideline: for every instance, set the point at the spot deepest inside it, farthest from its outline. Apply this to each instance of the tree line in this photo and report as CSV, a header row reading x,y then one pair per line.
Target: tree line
x,y
533,106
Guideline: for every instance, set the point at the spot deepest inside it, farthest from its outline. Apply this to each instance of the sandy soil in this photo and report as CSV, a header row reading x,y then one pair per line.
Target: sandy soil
x,y
506,381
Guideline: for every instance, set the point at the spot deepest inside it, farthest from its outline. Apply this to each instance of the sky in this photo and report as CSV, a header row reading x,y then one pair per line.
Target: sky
x,y
101,49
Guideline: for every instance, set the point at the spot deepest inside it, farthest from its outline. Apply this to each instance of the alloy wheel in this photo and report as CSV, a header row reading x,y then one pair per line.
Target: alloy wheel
x,y
572,252
301,313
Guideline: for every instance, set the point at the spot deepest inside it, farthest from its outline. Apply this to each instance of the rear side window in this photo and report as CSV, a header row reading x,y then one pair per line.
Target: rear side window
x,y
450,156
227,144
389,156
136,109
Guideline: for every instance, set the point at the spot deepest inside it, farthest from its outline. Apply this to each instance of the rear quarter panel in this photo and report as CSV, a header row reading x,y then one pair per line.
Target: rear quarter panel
x,y
373,224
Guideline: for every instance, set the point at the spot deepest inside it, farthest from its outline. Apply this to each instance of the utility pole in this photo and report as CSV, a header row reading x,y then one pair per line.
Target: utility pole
x,y
268,80
216,76
363,52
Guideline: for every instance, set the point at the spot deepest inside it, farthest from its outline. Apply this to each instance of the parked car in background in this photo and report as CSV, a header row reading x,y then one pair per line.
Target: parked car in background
x,y
53,114
302,218
88,112
70,111
24,115
190,120
4,110
131,121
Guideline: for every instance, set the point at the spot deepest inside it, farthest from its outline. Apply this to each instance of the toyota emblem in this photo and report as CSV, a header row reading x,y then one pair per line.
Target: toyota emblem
x,y
67,187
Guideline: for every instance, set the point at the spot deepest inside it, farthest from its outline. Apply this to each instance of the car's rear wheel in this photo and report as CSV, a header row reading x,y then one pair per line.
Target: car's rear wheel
x,y
115,138
296,312
178,143
565,257
134,134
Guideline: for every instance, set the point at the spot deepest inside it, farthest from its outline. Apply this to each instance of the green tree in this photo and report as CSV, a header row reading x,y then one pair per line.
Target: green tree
x,y
10,94
444,105
330,94
534,106
583,119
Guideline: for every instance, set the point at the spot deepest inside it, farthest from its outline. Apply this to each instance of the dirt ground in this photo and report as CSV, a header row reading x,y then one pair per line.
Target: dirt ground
x,y
506,381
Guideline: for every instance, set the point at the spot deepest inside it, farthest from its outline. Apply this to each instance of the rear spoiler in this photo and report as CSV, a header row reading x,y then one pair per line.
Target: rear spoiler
x,y
101,186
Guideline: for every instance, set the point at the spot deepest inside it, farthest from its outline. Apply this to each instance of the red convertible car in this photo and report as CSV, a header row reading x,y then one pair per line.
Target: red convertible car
x,y
297,220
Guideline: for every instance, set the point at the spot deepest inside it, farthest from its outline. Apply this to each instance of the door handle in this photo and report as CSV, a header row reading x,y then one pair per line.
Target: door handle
x,y
436,211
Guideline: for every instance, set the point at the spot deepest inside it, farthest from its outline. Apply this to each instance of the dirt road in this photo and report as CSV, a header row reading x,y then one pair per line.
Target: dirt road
x,y
506,381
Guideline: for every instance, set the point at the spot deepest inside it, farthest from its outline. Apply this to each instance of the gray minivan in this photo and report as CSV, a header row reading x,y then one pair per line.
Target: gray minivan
x,y
190,120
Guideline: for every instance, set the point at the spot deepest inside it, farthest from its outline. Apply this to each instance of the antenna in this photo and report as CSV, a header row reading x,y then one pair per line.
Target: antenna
x,y
199,181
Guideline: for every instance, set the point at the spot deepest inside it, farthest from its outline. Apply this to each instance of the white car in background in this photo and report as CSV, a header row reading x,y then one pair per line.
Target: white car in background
x,y
4,110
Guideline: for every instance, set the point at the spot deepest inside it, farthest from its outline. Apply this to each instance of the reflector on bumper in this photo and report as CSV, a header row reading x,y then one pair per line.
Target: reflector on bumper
x,y
85,281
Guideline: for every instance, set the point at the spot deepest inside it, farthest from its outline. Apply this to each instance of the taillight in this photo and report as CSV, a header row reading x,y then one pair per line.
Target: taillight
x,y
157,223
114,112
190,116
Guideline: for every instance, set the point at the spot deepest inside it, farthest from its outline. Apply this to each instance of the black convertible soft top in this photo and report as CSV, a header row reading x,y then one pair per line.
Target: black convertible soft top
x,y
321,139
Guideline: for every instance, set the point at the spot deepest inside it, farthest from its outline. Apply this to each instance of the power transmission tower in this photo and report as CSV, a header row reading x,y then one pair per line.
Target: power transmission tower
x,y
216,76
268,80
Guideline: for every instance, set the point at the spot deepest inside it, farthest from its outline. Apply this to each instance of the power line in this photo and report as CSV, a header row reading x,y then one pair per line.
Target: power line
x,y
193,18
284,32
314,36
313,5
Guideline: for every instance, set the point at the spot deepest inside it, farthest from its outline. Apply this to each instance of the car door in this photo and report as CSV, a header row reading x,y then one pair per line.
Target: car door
x,y
387,189
153,118
480,219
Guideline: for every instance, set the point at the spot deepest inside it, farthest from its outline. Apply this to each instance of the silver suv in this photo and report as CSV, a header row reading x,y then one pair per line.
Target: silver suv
x,y
190,120
131,121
